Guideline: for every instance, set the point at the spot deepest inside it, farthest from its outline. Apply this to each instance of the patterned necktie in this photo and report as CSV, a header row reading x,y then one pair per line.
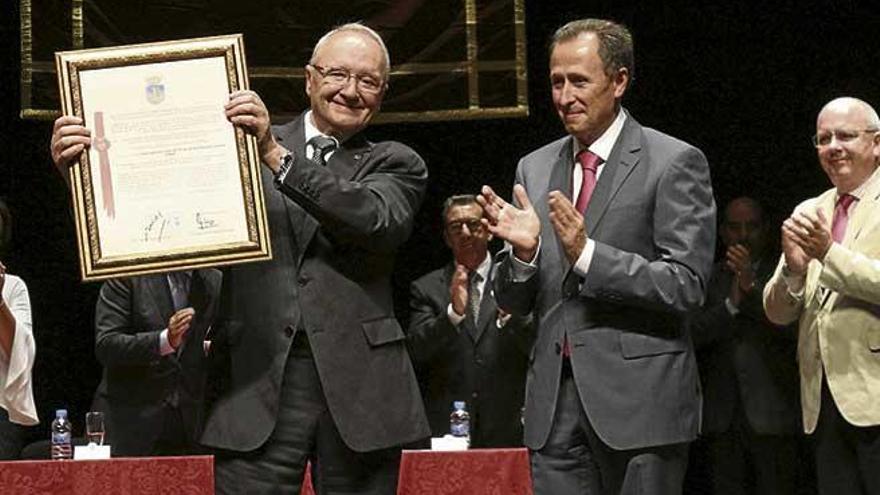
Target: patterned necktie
x,y
590,164
474,295
841,217
321,146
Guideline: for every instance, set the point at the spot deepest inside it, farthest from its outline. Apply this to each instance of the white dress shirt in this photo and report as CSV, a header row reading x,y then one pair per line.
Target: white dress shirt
x,y
602,148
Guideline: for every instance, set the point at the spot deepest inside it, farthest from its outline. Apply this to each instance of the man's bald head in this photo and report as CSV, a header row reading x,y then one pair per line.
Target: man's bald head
x,y
847,142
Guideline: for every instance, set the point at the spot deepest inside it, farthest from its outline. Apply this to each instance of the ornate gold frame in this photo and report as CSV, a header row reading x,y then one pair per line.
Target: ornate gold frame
x,y
93,264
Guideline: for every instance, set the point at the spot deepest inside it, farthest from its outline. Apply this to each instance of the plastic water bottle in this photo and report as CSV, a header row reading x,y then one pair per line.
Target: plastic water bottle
x,y
460,420
61,429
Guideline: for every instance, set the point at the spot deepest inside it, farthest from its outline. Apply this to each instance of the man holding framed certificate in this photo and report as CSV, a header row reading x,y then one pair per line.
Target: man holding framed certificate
x,y
317,363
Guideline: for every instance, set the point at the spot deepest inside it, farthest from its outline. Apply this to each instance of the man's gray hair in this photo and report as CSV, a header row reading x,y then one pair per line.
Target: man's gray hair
x,y
358,28
457,200
615,42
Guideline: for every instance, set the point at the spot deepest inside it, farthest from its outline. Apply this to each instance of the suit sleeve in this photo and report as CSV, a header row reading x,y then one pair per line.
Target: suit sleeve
x,y
684,240
117,342
781,307
713,322
376,212
522,330
851,273
752,307
429,328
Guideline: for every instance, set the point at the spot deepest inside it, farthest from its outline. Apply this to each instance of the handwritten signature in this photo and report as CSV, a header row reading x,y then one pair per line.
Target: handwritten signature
x,y
204,222
155,227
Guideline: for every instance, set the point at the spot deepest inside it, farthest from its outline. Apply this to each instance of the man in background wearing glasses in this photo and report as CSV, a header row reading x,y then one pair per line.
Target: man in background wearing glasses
x,y
463,346
828,277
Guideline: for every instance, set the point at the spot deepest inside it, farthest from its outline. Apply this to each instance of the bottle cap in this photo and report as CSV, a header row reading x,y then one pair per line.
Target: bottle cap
x,y
459,404
61,413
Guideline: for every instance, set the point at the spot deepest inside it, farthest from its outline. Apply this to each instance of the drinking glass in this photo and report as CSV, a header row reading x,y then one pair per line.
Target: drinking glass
x,y
95,427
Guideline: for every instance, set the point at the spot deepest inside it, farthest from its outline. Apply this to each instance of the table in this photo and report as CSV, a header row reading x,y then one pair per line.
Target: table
x,y
189,475
471,472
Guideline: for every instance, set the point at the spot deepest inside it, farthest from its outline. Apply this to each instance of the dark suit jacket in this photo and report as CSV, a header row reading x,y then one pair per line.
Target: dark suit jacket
x,y
480,364
334,232
138,383
746,363
652,216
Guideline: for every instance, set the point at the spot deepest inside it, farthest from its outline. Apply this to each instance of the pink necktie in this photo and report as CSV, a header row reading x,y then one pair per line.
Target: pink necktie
x,y
590,164
841,217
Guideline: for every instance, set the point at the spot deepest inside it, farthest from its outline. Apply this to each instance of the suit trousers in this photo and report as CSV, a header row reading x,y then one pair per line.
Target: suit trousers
x,y
575,461
173,439
847,456
304,431
744,462
11,438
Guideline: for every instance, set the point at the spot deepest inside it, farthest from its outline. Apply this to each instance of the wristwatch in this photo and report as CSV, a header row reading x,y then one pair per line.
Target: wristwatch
x,y
286,165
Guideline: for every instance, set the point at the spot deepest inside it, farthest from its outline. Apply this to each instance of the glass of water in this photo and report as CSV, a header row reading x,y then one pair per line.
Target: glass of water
x,y
95,427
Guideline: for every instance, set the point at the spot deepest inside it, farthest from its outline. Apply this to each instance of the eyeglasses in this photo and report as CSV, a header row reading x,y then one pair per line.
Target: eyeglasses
x,y
339,76
822,139
457,227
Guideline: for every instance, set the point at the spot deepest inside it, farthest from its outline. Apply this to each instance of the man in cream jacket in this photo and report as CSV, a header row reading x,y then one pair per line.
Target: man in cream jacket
x,y
828,278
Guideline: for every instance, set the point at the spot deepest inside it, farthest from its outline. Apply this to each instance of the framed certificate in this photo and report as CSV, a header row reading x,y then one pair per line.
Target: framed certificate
x,y
168,182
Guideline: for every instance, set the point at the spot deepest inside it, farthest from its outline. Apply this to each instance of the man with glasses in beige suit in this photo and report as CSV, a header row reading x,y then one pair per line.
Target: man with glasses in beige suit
x,y
828,278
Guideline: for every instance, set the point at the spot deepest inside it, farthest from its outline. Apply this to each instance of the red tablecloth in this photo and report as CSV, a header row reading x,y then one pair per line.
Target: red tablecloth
x,y
471,472
191,475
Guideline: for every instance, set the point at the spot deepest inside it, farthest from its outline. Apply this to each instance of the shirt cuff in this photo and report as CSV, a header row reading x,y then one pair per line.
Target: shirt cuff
x,y
731,308
582,265
165,346
794,283
454,317
523,270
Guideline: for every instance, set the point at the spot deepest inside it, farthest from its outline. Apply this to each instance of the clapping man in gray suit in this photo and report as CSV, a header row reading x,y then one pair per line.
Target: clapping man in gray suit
x,y
611,242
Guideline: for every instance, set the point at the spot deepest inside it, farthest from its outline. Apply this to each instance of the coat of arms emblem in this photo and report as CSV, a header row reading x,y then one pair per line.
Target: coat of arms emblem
x,y
155,90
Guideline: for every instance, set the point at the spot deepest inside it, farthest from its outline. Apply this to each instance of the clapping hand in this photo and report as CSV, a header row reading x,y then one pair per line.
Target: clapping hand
x,y
568,224
519,226
458,289
738,259
805,236
178,326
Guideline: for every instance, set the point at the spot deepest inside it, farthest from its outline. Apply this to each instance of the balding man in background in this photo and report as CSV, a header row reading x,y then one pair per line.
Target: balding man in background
x,y
828,278
747,366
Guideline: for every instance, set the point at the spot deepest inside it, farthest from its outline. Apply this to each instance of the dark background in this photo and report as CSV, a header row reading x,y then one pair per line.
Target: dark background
x,y
743,83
